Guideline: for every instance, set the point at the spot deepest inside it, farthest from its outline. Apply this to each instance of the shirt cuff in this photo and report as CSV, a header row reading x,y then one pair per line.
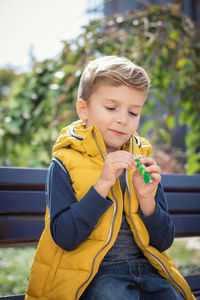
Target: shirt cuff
x,y
94,205
154,221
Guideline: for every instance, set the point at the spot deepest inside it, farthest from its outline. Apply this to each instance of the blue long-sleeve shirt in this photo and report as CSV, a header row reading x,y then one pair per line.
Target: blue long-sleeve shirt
x,y
71,222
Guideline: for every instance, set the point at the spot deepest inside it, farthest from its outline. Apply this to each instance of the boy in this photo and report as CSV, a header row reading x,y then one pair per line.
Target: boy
x,y
106,229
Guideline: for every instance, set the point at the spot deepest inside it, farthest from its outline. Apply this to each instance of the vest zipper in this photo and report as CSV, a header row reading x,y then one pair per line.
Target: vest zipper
x,y
110,232
152,255
107,242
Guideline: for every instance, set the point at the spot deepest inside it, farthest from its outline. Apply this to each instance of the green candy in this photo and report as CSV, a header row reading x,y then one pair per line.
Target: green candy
x,y
147,178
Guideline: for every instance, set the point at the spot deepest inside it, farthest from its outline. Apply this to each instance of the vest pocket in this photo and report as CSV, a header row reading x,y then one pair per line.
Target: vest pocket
x,y
54,268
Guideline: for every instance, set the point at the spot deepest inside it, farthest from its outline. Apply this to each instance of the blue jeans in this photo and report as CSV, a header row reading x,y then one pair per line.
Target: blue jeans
x,y
129,281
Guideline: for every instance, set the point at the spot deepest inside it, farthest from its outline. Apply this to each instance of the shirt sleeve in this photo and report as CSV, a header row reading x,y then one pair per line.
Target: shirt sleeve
x,y
159,224
71,222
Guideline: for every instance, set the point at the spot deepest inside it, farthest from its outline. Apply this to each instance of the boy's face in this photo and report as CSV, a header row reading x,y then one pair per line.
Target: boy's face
x,y
115,111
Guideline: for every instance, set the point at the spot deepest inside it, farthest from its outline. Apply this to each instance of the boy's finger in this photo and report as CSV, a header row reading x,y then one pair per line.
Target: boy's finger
x,y
153,168
156,177
147,161
139,156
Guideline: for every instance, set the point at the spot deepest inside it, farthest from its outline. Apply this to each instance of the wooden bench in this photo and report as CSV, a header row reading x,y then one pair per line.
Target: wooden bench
x,y
22,208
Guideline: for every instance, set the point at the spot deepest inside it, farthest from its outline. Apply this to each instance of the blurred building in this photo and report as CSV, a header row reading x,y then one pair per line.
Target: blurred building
x,y
99,8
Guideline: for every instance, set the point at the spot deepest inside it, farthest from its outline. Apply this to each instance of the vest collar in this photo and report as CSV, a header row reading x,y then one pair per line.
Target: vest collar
x,y
92,140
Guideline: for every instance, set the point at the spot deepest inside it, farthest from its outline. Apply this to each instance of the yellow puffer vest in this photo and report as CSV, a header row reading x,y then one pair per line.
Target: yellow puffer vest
x,y
57,274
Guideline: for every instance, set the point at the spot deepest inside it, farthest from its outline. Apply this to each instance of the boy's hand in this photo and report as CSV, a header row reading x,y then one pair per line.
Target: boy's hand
x,y
144,191
115,163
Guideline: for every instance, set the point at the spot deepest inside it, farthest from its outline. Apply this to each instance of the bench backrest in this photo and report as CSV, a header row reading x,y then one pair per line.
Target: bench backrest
x,y
183,197
22,205
23,201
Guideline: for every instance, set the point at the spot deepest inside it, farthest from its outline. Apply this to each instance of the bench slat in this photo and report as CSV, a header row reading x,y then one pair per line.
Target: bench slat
x,y
181,182
20,229
30,201
17,175
22,201
180,201
30,228
14,297
193,281
186,225
22,176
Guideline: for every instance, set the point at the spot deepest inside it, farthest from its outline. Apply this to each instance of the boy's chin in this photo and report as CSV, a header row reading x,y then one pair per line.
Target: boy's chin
x,y
113,148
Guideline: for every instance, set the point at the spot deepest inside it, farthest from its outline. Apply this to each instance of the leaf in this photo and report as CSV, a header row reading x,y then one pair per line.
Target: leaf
x,y
181,63
147,127
175,35
165,52
171,121
165,135
182,118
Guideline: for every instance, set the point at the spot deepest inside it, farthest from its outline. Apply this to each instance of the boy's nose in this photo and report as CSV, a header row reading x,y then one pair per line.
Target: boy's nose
x,y
122,118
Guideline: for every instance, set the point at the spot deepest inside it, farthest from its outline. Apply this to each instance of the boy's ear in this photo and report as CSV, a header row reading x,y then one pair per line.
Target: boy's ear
x,y
82,109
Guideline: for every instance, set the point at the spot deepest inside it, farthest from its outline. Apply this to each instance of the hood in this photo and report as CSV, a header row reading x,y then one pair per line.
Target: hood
x,y
89,140
80,138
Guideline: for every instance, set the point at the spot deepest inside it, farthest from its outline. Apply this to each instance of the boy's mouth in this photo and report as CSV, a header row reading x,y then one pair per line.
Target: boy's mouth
x,y
116,132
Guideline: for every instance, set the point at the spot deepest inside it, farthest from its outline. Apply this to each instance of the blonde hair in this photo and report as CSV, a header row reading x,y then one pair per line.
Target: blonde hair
x,y
112,70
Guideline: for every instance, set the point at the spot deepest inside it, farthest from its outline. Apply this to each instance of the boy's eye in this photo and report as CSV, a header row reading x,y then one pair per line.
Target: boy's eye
x,y
133,114
110,107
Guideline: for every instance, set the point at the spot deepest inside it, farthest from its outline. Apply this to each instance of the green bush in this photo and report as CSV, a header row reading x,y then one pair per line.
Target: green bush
x,y
187,259
15,264
161,39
